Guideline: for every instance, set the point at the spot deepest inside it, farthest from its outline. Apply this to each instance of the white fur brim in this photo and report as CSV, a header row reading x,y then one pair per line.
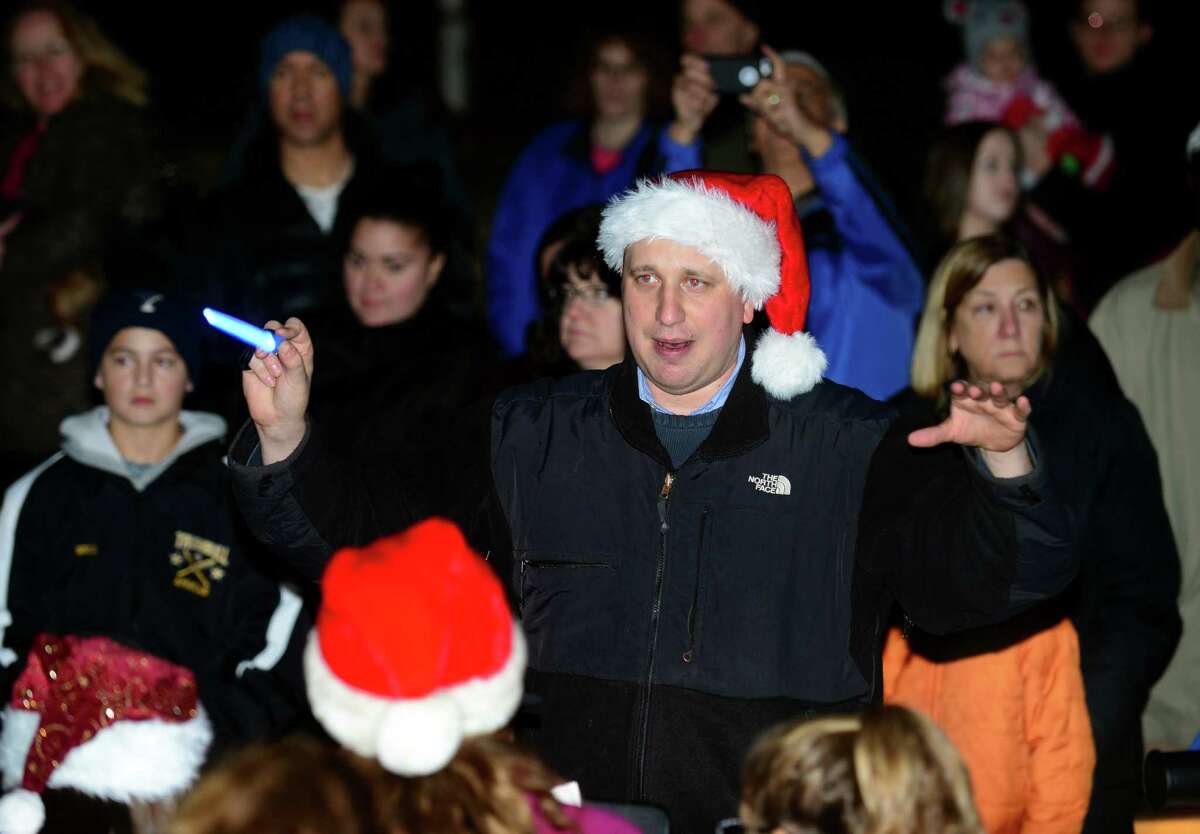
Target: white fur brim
x,y
127,760
787,365
417,736
736,239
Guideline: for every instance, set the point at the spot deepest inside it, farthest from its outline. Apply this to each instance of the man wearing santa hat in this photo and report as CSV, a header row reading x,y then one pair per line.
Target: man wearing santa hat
x,y
707,538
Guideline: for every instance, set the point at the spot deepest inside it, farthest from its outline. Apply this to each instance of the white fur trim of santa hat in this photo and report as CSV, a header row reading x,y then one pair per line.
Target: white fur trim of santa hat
x,y
413,736
128,760
690,213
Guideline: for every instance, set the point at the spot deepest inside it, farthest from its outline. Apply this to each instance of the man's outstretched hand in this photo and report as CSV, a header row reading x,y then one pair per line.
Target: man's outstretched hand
x,y
276,386
988,420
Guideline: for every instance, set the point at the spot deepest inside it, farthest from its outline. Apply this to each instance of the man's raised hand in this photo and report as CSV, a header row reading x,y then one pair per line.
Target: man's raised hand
x,y
987,419
276,386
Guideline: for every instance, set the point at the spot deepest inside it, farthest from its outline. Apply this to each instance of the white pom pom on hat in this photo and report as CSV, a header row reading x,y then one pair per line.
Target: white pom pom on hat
x,y
747,225
414,649
22,812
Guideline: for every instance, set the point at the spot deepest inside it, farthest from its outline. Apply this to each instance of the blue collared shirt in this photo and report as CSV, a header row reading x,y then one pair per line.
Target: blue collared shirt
x,y
718,399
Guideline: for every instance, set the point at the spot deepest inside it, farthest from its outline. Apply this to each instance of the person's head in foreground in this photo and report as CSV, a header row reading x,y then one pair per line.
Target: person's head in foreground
x,y
414,664
698,253
886,771
988,316
145,349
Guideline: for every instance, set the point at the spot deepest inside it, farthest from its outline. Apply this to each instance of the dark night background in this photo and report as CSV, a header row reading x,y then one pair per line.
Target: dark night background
x,y
888,57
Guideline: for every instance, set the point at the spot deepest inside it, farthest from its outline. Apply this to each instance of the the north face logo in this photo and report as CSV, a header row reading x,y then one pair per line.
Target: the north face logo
x,y
772,484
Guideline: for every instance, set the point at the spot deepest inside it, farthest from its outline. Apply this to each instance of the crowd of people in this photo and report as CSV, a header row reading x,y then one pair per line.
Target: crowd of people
x,y
713,492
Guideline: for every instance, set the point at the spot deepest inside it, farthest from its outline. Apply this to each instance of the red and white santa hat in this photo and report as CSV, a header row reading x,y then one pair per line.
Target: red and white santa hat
x,y
747,225
90,714
414,649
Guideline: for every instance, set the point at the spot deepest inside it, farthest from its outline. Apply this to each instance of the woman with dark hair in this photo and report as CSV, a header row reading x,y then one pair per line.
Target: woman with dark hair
x,y
973,187
75,175
582,325
989,317
571,164
971,180
398,358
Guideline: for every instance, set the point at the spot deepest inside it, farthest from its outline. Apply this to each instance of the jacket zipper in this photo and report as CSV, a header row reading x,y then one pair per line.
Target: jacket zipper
x,y
690,654
664,495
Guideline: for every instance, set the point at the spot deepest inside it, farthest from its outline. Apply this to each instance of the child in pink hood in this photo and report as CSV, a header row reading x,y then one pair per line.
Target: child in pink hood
x,y
999,83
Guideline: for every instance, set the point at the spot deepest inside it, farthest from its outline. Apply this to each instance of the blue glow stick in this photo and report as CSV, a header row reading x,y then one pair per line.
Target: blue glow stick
x,y
256,337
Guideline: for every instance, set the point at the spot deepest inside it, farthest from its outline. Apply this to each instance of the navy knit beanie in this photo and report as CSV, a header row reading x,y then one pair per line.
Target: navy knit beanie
x,y
154,310
306,33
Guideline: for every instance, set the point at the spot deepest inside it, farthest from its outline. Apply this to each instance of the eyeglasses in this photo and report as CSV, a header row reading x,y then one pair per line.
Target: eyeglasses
x,y
589,295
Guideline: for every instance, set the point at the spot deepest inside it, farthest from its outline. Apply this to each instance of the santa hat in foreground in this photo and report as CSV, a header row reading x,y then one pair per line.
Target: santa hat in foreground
x,y
747,225
414,649
95,716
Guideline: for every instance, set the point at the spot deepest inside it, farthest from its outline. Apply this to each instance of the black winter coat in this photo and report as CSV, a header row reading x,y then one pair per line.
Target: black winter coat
x,y
1146,207
89,184
1124,602
166,567
674,615
407,392
264,255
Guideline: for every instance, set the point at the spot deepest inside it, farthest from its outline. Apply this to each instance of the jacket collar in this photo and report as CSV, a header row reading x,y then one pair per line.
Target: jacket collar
x,y
741,425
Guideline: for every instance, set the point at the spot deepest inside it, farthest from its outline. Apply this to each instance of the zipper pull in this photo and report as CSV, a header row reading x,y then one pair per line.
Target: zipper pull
x,y
663,495
668,482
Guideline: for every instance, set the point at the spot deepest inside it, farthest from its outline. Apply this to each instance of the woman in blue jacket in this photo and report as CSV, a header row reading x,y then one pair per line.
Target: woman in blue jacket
x,y
568,165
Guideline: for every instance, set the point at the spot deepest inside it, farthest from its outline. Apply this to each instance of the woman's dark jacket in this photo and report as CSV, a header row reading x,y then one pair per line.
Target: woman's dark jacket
x,y
397,392
89,185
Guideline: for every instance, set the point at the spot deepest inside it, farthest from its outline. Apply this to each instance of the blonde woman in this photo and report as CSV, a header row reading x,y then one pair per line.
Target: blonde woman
x,y
76,176
887,770
1011,697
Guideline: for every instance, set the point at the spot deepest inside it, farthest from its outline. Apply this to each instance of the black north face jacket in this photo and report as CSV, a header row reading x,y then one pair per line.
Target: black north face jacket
x,y
672,615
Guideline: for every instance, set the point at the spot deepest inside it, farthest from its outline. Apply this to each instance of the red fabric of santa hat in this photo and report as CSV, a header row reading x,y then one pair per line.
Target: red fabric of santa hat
x,y
747,225
90,714
414,649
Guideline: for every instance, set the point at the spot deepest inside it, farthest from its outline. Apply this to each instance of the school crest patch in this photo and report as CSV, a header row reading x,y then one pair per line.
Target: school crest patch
x,y
199,563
